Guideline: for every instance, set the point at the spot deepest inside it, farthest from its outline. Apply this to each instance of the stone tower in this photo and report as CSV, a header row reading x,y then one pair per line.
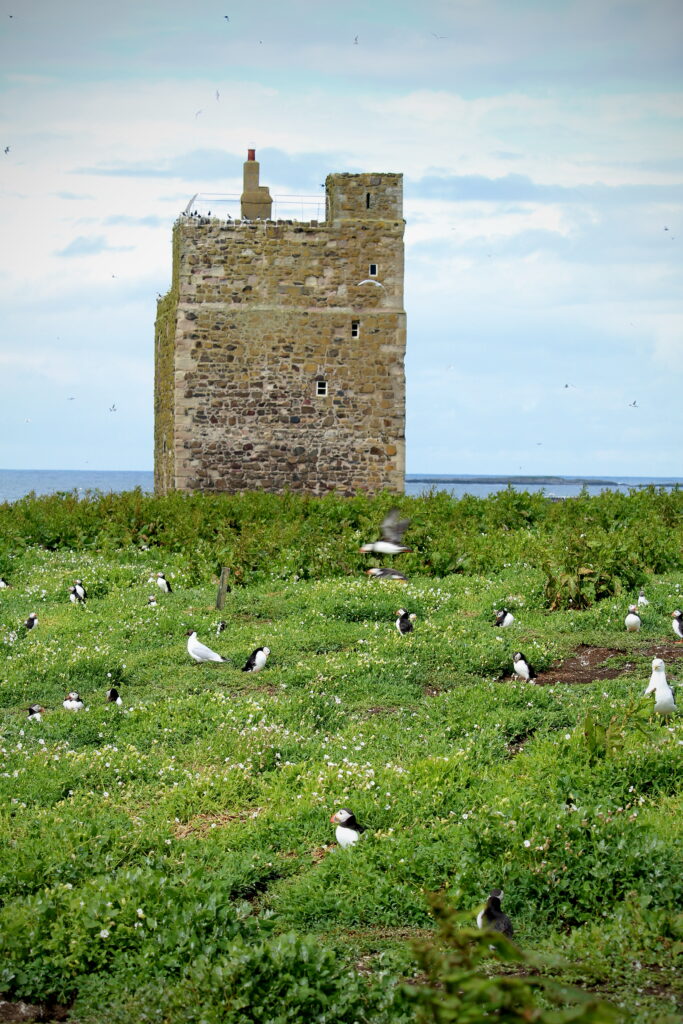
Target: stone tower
x,y
280,346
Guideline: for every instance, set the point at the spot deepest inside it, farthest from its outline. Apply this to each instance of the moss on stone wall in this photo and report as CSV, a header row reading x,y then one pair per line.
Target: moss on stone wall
x,y
164,378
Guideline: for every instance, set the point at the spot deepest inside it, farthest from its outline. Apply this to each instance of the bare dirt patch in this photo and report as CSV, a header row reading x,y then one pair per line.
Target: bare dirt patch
x,y
590,663
202,824
21,1011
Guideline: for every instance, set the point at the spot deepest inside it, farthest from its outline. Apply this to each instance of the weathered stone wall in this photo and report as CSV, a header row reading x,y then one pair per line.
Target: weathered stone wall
x,y
264,311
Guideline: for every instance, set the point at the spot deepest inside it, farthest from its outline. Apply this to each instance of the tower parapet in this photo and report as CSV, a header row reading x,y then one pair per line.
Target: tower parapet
x,y
256,203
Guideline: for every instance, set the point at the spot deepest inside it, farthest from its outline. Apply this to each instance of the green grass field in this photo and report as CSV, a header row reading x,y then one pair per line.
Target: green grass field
x,y
173,859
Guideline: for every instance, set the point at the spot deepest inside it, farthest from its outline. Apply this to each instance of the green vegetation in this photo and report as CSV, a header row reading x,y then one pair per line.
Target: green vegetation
x,y
172,859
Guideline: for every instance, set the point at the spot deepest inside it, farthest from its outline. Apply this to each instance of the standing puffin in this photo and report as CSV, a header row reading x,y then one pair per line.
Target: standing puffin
x,y
632,621
664,695
677,623
74,596
348,831
256,660
378,573
522,667
163,584
32,621
114,697
642,600
152,601
72,702
3,583
493,917
392,529
504,618
404,622
81,592
36,712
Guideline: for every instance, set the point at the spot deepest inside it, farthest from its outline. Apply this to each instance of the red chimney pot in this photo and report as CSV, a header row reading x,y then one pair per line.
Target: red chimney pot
x,y
251,154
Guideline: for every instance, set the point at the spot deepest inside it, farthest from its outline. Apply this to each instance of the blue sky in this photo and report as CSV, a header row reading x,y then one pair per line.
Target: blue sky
x,y
542,151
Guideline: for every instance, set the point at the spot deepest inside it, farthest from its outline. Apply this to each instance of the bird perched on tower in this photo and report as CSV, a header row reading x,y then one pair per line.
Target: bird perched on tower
x,y
632,621
392,530
664,695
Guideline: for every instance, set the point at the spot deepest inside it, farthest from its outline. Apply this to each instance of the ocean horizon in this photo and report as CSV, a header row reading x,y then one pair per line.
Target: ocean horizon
x,y
17,483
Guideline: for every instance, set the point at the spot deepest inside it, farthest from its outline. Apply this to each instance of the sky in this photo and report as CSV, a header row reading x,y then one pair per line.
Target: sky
x,y
542,153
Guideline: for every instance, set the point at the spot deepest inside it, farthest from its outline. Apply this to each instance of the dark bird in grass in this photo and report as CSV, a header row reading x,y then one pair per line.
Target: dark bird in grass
x,y
256,660
493,917
392,530
522,667
75,597
114,697
80,590
36,712
152,601
404,622
163,584
220,627
32,621
677,623
4,585
385,573
504,618
348,831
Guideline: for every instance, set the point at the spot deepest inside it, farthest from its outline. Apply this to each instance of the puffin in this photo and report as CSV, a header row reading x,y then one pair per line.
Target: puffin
x,y
493,918
114,697
392,530
632,621
664,695
504,618
152,601
642,600
522,667
677,623
404,622
220,627
36,712
378,573
348,831
163,584
3,583
31,621
81,592
198,651
256,660
72,702
75,597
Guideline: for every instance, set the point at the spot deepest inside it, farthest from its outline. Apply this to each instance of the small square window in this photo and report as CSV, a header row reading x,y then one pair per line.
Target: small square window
x,y
372,270
321,387
355,328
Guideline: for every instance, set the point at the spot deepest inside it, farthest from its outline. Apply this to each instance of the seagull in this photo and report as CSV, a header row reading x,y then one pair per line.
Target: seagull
x,y
385,573
256,660
493,917
114,697
633,404
642,600
163,583
198,651
72,702
632,621
35,712
7,147
112,408
664,695
392,529
522,667
348,831
677,623
504,618
31,621
404,622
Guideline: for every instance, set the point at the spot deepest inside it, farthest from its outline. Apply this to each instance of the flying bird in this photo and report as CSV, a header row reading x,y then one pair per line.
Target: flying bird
x,y
256,660
392,530
199,651
355,40
218,95
198,113
348,831
633,405
384,573
7,147
112,408
493,917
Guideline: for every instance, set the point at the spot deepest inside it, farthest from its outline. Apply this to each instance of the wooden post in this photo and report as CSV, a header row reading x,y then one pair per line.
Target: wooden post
x,y
222,587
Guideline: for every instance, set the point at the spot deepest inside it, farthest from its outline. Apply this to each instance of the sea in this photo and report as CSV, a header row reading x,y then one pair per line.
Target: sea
x,y
16,483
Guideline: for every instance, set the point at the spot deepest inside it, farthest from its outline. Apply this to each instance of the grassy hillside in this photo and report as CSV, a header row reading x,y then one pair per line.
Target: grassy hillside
x,y
173,859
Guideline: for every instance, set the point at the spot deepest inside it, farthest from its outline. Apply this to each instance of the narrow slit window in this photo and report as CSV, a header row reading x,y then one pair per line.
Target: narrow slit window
x,y
321,387
367,200
372,270
355,328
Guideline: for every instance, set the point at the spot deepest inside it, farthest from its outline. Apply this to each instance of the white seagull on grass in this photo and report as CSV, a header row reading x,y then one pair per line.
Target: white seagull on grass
x,y
199,651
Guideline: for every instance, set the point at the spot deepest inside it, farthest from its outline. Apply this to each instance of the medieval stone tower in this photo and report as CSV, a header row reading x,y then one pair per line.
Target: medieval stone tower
x,y
280,346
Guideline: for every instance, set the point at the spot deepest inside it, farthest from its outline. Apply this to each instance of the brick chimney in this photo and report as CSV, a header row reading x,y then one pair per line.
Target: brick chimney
x,y
256,201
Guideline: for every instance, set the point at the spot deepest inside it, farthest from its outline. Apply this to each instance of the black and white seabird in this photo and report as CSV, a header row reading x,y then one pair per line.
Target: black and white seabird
x,y
163,584
75,597
404,622
677,623
152,601
665,703
378,573
256,660
35,712
504,618
522,667
32,621
3,583
80,590
642,600
199,651
632,620
493,918
72,702
220,627
114,697
392,530
348,831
